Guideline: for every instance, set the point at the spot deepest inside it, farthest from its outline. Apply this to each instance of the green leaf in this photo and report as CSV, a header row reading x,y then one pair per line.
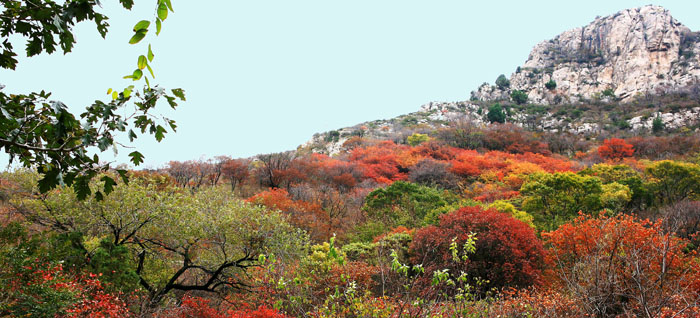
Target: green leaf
x,y
137,74
162,11
138,36
136,157
132,135
82,187
150,70
128,4
160,133
49,181
172,124
142,25
180,93
104,143
109,91
127,92
170,5
115,95
142,62
109,184
150,54
122,174
99,196
158,26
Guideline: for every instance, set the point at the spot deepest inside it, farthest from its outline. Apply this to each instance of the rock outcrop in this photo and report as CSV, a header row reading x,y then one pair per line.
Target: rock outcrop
x,y
635,51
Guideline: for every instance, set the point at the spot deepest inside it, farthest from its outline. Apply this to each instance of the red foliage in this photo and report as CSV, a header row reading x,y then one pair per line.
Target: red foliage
x,y
380,162
507,251
305,215
198,307
465,169
536,303
260,312
235,171
434,150
321,169
645,269
490,192
359,272
615,149
88,295
548,163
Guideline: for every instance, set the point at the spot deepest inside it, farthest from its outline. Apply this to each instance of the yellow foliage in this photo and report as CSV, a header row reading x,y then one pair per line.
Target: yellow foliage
x,y
507,207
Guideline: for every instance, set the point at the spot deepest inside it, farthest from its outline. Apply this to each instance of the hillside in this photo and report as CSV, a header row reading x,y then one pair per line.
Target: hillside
x,y
615,76
501,207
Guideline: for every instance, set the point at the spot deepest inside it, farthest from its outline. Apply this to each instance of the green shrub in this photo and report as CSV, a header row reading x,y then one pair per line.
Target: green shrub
x,y
550,85
657,125
496,114
519,97
502,82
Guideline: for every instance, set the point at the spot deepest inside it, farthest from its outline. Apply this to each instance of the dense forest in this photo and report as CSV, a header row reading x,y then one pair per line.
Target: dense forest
x,y
423,229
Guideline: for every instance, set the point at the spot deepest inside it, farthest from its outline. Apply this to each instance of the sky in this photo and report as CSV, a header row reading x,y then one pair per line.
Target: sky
x,y
263,76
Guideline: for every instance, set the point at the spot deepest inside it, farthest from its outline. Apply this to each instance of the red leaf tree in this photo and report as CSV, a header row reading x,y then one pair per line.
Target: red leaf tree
x,y
622,266
615,149
507,251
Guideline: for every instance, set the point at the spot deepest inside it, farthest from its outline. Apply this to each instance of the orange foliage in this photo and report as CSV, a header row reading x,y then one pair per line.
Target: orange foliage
x,y
615,149
305,215
396,230
644,265
489,192
381,162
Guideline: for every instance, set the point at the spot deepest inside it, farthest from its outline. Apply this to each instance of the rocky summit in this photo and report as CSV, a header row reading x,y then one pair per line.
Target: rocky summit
x,y
633,52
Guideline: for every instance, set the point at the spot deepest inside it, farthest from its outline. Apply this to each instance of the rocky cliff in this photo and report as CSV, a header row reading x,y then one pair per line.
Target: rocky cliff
x,y
635,51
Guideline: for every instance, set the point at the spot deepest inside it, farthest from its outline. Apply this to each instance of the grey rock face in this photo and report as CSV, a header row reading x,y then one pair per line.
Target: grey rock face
x,y
635,51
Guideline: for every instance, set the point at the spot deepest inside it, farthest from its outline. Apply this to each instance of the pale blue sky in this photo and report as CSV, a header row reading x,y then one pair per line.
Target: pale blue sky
x,y
264,76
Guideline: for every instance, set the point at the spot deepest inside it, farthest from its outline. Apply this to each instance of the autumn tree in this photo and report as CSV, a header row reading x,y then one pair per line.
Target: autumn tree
x,y
272,170
380,162
615,149
306,215
217,166
34,283
191,173
621,266
235,170
507,253
334,203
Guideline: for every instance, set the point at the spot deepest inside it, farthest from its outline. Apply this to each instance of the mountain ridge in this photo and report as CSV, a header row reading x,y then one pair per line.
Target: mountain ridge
x,y
575,83
634,51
